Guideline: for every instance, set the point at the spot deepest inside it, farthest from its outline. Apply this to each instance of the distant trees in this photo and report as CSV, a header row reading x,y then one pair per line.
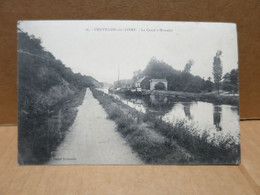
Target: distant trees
x,y
188,66
157,69
217,70
177,80
185,81
137,75
234,77
208,85
230,81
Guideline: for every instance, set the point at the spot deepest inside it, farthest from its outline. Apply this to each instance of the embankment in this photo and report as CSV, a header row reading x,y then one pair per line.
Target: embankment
x,y
48,96
41,133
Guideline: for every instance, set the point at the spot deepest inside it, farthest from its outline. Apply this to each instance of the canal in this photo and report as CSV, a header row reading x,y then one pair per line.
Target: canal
x,y
221,122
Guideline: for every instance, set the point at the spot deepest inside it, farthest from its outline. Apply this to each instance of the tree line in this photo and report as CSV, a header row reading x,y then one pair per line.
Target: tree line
x,y
183,80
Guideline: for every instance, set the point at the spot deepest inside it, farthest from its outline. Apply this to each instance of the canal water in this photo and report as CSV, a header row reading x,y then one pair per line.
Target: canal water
x,y
221,122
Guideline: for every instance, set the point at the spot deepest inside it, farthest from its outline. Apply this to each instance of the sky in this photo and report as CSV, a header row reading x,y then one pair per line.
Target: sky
x,y
100,48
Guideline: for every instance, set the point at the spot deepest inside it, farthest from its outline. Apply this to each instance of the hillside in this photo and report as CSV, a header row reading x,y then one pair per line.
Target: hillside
x,y
48,94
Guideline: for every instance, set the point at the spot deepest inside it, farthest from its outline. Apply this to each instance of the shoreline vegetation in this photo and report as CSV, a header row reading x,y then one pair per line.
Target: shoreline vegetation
x,y
45,132
205,97
185,96
159,142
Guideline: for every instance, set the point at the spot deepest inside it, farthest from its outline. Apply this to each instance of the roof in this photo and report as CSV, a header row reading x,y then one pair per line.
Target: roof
x,y
158,80
140,80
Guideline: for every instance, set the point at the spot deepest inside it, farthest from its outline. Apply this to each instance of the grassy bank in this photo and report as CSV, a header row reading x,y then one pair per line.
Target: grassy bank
x,y
41,133
218,99
144,134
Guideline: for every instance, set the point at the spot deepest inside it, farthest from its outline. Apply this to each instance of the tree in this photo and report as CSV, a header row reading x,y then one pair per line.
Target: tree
x,y
234,77
188,66
230,81
208,85
217,70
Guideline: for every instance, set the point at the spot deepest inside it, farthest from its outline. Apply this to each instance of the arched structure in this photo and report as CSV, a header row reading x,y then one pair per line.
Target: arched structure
x,y
153,82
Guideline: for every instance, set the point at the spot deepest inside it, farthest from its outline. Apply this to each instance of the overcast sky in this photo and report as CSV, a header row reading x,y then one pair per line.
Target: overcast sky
x,y
98,48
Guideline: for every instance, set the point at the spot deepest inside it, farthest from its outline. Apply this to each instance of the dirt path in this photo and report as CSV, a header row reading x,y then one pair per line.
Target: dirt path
x,y
93,139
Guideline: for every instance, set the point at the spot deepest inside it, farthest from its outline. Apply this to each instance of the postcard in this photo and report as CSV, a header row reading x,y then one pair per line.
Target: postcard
x,y
127,92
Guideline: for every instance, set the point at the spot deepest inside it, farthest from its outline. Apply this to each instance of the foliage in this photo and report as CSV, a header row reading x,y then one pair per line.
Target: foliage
x,y
234,77
184,80
208,85
230,81
217,70
49,93
177,80
188,66
137,75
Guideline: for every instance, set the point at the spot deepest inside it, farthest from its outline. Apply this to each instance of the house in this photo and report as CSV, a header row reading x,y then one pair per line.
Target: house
x,y
137,83
162,82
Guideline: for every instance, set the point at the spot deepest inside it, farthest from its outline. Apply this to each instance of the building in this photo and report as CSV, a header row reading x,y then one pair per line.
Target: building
x,y
154,82
137,84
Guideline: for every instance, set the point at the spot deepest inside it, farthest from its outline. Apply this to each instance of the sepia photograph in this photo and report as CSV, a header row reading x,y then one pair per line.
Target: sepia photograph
x,y
127,92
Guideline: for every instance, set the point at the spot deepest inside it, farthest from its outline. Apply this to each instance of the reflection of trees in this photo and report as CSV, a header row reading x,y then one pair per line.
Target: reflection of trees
x,y
217,117
186,108
235,109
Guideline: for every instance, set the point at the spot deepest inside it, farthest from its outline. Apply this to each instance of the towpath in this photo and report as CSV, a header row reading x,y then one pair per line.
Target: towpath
x,y
93,139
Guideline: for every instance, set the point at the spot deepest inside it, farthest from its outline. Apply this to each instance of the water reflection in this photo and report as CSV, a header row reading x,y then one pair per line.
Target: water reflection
x,y
158,103
235,109
219,121
217,117
186,108
158,99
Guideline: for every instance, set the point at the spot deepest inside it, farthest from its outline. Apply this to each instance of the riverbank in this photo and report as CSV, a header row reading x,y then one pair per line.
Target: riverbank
x,y
45,131
179,144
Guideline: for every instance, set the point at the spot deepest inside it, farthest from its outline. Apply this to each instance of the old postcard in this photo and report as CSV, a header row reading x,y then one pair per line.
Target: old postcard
x,y
127,92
